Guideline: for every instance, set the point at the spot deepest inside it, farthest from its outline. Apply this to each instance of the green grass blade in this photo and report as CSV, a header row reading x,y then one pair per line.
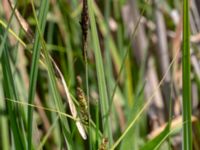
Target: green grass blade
x,y
10,92
187,127
144,106
157,141
34,66
4,129
152,144
100,75
3,41
53,86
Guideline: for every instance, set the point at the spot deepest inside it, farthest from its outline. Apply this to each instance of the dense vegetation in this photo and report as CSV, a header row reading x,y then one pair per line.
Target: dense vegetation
x,y
104,74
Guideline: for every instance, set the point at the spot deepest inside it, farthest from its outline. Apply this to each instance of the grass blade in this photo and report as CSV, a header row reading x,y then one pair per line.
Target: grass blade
x,y
34,66
55,93
144,106
10,92
4,129
100,75
152,144
187,127
6,32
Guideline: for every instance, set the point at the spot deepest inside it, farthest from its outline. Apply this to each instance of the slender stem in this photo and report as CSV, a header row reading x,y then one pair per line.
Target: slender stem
x,y
187,127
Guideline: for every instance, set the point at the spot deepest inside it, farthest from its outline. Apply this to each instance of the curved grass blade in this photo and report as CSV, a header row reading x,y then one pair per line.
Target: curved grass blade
x,y
171,127
156,142
152,144
56,95
72,106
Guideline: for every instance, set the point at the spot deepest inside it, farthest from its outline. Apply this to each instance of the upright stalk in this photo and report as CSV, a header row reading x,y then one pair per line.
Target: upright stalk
x,y
103,95
187,127
85,26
